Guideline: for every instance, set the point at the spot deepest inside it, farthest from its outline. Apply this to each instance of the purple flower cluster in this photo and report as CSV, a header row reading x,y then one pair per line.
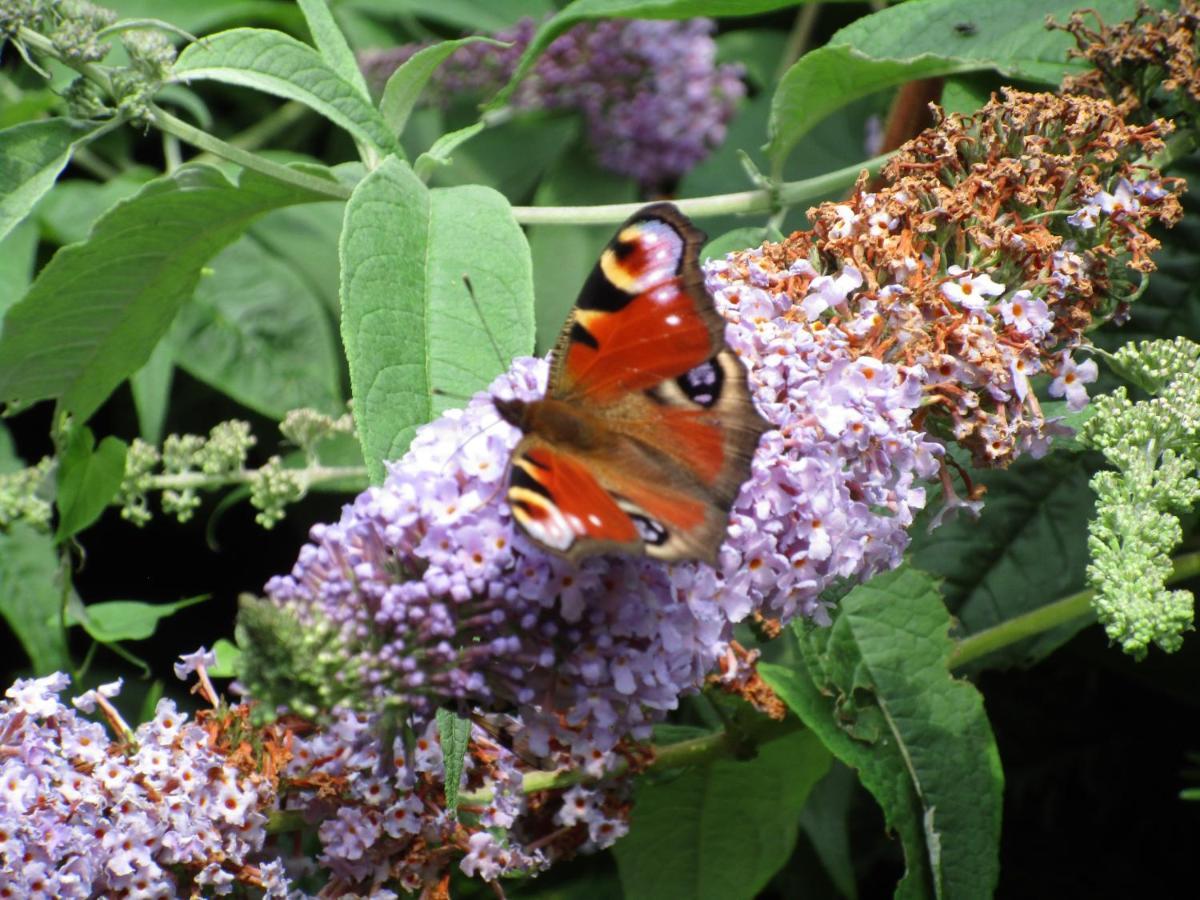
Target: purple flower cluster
x,y
380,823
432,593
654,99
81,816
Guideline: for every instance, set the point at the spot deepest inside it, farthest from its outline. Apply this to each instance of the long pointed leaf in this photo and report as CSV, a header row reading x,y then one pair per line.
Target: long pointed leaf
x,y
97,309
275,63
332,44
32,155
876,688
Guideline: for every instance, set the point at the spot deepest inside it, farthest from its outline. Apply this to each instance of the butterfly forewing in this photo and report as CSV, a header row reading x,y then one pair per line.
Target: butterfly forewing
x,y
647,428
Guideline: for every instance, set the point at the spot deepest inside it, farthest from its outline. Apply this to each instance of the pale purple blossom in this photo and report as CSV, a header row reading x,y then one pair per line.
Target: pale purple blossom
x,y
971,292
1071,379
1028,314
192,662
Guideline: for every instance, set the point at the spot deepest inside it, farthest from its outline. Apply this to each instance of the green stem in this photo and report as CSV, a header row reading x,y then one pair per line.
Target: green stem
x,y
692,752
201,139
1042,619
179,481
799,38
791,193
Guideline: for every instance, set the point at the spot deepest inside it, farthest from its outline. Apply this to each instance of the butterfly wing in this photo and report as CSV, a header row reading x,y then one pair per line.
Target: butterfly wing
x,y
662,426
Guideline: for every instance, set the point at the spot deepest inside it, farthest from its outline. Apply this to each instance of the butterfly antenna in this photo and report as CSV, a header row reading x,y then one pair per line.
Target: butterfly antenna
x,y
482,318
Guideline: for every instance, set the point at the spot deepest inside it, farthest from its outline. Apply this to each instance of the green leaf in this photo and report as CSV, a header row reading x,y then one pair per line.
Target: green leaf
x,y
154,693
200,18
720,831
31,597
454,734
151,387
917,40
274,63
439,153
825,820
332,44
830,77
408,322
229,657
68,212
405,85
305,238
31,156
876,688
994,567
126,620
97,309
512,157
88,478
255,331
18,254
585,10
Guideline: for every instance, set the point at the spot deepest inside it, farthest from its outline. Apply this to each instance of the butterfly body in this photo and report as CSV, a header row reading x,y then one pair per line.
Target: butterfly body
x,y
647,428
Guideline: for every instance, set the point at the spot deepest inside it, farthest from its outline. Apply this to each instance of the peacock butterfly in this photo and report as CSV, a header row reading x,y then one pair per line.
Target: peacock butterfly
x,y
647,427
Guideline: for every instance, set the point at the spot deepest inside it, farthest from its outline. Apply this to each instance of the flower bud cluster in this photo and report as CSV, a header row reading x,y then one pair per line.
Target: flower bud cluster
x,y
23,496
652,95
1154,446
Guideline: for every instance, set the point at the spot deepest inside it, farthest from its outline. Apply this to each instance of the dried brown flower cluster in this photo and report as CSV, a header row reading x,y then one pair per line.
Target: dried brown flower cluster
x,y
996,242
1153,55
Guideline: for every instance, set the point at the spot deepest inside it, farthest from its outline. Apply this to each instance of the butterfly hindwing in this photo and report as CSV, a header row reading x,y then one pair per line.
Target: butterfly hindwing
x,y
647,428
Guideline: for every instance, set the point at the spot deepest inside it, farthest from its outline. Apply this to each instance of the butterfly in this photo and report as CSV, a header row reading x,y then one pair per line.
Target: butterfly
x,y
647,427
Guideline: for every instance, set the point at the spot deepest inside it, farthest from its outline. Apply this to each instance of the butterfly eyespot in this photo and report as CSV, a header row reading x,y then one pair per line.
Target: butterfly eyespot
x,y
703,384
651,532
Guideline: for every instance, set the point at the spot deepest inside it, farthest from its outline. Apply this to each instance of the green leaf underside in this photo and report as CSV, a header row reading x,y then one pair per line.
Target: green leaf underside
x,y
256,332
97,309
31,596
585,10
722,830
126,620
923,39
409,325
405,85
277,64
993,568
331,44
454,735
32,155
88,478
876,688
